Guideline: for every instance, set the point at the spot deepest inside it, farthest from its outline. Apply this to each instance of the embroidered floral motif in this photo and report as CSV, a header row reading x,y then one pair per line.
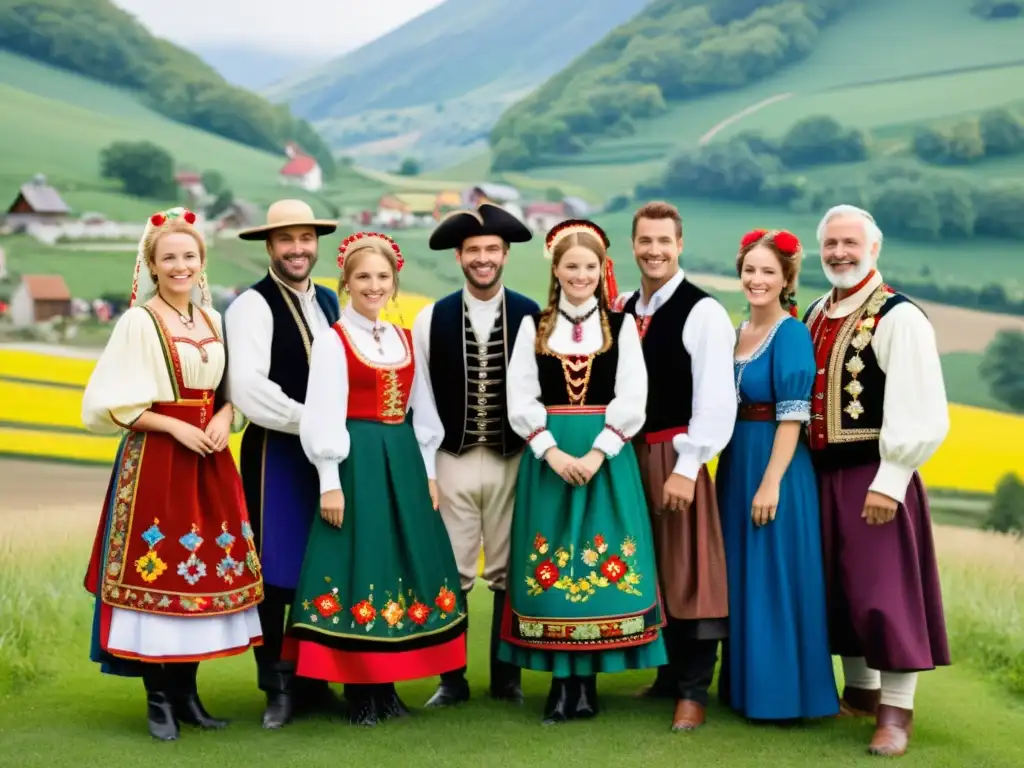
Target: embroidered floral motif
x,y
418,613
862,335
191,540
393,613
192,570
550,573
793,410
364,613
445,601
150,566
225,540
392,399
327,604
600,632
247,530
228,568
153,535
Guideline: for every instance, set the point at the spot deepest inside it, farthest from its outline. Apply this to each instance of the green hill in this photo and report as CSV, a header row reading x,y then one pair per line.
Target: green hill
x,y
56,122
434,87
717,74
97,39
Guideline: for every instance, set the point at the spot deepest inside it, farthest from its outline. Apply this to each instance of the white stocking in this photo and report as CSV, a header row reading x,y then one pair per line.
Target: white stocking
x,y
898,689
858,674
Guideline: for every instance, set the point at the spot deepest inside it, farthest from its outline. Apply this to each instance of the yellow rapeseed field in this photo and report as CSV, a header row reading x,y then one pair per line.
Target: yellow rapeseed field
x,y
981,447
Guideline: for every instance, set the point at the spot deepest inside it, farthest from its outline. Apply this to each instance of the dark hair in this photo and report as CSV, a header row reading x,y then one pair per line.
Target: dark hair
x,y
659,209
789,259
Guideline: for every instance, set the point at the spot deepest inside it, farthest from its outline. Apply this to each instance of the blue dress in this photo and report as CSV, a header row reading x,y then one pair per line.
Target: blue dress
x,y
776,664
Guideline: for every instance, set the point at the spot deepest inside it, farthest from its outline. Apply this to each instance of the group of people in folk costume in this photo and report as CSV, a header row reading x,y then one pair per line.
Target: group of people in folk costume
x,y
570,441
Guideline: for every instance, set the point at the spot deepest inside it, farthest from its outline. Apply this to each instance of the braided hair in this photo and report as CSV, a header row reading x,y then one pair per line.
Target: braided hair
x,y
549,314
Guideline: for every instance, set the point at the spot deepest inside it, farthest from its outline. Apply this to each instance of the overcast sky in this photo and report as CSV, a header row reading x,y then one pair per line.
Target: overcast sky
x,y
319,28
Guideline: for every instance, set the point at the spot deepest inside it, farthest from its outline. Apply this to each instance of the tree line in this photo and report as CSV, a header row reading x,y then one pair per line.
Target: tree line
x,y
912,201
674,50
995,133
99,40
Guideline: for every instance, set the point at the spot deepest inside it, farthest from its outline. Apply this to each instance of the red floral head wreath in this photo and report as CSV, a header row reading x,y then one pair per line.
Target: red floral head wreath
x,y
787,244
351,240
574,226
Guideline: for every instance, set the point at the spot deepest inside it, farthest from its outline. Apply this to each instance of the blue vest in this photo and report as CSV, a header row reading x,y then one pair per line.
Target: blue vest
x,y
452,383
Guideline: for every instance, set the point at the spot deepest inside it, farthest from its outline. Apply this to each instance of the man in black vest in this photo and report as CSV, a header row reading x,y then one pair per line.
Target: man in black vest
x,y
270,329
878,412
688,341
465,340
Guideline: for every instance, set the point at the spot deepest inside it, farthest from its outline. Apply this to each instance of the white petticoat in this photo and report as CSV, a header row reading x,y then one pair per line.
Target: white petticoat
x,y
149,636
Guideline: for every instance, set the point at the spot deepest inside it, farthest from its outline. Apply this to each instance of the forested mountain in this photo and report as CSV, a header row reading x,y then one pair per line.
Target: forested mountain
x,y
97,39
671,51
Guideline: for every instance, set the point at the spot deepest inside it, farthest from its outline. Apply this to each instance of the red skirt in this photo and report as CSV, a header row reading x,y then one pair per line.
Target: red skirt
x,y
174,538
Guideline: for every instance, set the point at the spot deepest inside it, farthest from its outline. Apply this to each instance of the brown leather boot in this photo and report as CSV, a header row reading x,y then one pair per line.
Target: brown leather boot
x,y
689,716
892,731
859,702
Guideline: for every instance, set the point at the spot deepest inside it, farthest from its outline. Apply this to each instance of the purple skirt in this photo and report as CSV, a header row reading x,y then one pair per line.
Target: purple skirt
x,y
884,597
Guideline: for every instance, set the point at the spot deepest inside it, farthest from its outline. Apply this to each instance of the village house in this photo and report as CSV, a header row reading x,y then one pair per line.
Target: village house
x,y
540,217
301,170
499,194
37,203
190,185
39,298
238,215
402,210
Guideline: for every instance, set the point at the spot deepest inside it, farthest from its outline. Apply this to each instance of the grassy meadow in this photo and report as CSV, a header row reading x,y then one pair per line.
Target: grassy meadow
x,y
53,698
56,122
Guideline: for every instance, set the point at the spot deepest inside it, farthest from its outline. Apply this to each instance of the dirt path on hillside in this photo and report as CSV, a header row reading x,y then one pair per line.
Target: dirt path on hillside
x,y
746,112
957,329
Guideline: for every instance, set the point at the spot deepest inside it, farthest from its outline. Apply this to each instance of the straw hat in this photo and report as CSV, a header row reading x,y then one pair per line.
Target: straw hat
x,y
288,213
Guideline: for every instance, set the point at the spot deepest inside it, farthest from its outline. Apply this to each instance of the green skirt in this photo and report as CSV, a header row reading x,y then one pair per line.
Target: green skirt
x,y
378,599
583,590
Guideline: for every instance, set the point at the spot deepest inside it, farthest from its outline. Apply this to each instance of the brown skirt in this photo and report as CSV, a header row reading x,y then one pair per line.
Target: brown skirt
x,y
689,545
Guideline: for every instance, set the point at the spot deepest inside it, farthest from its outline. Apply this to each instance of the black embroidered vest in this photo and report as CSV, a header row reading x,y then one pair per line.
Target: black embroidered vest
x,y
468,378
669,366
853,395
584,380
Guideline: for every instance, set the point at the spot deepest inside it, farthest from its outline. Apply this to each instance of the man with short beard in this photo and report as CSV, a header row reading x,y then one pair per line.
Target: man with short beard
x,y
270,329
879,411
465,340
688,341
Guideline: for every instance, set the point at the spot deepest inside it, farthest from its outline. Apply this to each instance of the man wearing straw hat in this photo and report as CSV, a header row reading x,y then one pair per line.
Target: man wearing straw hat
x,y
464,340
270,329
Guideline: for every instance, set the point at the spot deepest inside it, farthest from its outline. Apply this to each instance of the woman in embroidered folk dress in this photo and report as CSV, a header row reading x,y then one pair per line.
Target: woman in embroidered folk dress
x,y
583,595
174,566
776,663
378,598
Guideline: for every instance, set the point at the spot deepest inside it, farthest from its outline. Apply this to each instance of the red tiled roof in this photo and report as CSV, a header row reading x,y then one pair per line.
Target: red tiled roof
x,y
299,165
46,287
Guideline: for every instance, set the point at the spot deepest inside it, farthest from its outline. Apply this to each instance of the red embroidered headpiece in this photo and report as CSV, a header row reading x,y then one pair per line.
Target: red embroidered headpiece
x,y
573,226
349,241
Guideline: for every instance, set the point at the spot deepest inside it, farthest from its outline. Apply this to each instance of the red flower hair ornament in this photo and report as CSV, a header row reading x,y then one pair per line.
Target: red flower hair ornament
x,y
162,217
783,239
348,242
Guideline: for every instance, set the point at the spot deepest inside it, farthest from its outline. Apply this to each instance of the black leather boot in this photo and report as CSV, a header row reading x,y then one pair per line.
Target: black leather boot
x,y
558,707
163,725
586,703
364,711
278,685
389,703
454,688
312,697
506,679
187,706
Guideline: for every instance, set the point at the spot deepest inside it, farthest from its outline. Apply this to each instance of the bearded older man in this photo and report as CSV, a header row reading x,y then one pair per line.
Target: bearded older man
x,y
879,411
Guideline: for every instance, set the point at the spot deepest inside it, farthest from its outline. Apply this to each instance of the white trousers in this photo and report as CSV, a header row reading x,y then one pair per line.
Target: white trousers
x,y
897,688
477,495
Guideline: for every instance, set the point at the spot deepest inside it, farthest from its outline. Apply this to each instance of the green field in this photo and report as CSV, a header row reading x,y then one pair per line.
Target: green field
x,y
56,122
56,709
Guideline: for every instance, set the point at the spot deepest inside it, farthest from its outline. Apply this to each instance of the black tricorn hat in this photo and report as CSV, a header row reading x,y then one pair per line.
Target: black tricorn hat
x,y
487,219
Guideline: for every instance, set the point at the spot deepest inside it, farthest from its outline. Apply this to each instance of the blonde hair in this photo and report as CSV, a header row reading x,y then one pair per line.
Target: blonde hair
x,y
592,243
357,251
172,226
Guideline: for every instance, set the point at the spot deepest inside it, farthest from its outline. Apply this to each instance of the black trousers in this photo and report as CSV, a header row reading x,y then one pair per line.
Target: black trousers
x,y
692,648
174,679
273,674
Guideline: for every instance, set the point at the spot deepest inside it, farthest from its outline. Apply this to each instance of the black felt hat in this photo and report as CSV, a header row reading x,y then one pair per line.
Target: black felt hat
x,y
487,219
